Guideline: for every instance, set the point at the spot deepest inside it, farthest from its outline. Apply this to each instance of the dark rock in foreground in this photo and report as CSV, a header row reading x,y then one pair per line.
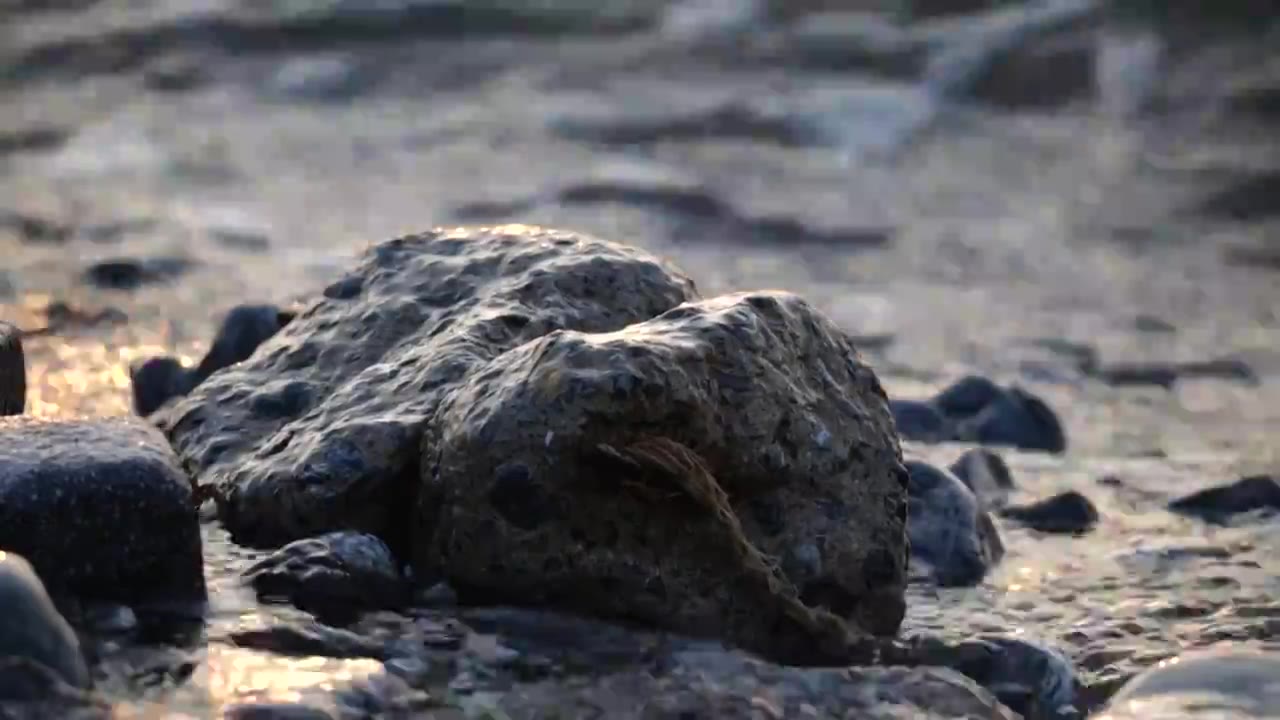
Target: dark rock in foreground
x,y
728,468
100,508
1220,504
975,409
331,576
131,273
1069,512
1203,685
13,371
950,530
31,628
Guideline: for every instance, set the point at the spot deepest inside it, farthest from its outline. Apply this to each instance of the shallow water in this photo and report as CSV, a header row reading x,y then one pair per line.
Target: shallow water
x,y
1066,225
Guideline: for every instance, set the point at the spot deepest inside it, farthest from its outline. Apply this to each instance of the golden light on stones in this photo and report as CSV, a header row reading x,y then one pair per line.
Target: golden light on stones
x,y
235,675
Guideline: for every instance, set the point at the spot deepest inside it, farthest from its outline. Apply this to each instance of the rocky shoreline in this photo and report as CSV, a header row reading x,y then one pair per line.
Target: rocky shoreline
x,y
969,413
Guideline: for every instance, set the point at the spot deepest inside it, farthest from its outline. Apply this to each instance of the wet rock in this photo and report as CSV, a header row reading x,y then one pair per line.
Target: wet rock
x,y
1202,684
513,463
61,316
308,639
32,691
920,421
31,628
647,185
244,328
986,474
33,229
32,139
13,371
1068,512
711,683
158,380
320,428
967,397
334,576
1249,199
1220,504
1016,418
1166,374
100,508
133,273
950,531
1030,678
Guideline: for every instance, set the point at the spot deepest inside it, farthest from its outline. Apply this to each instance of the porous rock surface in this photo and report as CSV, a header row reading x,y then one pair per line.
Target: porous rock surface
x,y
319,430
571,426
331,575
726,468
101,508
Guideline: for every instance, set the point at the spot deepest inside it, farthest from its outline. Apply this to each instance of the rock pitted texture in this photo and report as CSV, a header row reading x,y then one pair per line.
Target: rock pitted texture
x,y
575,429
100,508
727,468
13,371
726,685
31,628
319,430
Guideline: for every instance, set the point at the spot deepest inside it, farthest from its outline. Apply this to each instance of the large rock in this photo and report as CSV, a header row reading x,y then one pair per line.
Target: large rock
x,y
320,429
31,628
100,508
952,535
1215,683
729,468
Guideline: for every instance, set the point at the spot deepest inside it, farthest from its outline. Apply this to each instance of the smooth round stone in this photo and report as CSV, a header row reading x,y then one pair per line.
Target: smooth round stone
x,y
1203,684
32,628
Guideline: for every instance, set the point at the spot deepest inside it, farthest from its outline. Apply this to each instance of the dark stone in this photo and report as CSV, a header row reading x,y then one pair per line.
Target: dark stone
x,y
1016,419
848,40
242,240
126,525
949,529
60,316
244,328
32,628
33,139
13,371
156,381
917,420
1045,73
132,273
1030,678
986,474
275,711
1219,504
34,230
1068,512
333,576
174,74
967,397
310,639
1250,199
729,120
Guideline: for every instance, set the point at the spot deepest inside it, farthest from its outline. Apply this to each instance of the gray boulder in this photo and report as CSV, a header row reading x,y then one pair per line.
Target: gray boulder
x,y
100,508
1215,683
951,532
13,371
32,629
728,468
320,429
